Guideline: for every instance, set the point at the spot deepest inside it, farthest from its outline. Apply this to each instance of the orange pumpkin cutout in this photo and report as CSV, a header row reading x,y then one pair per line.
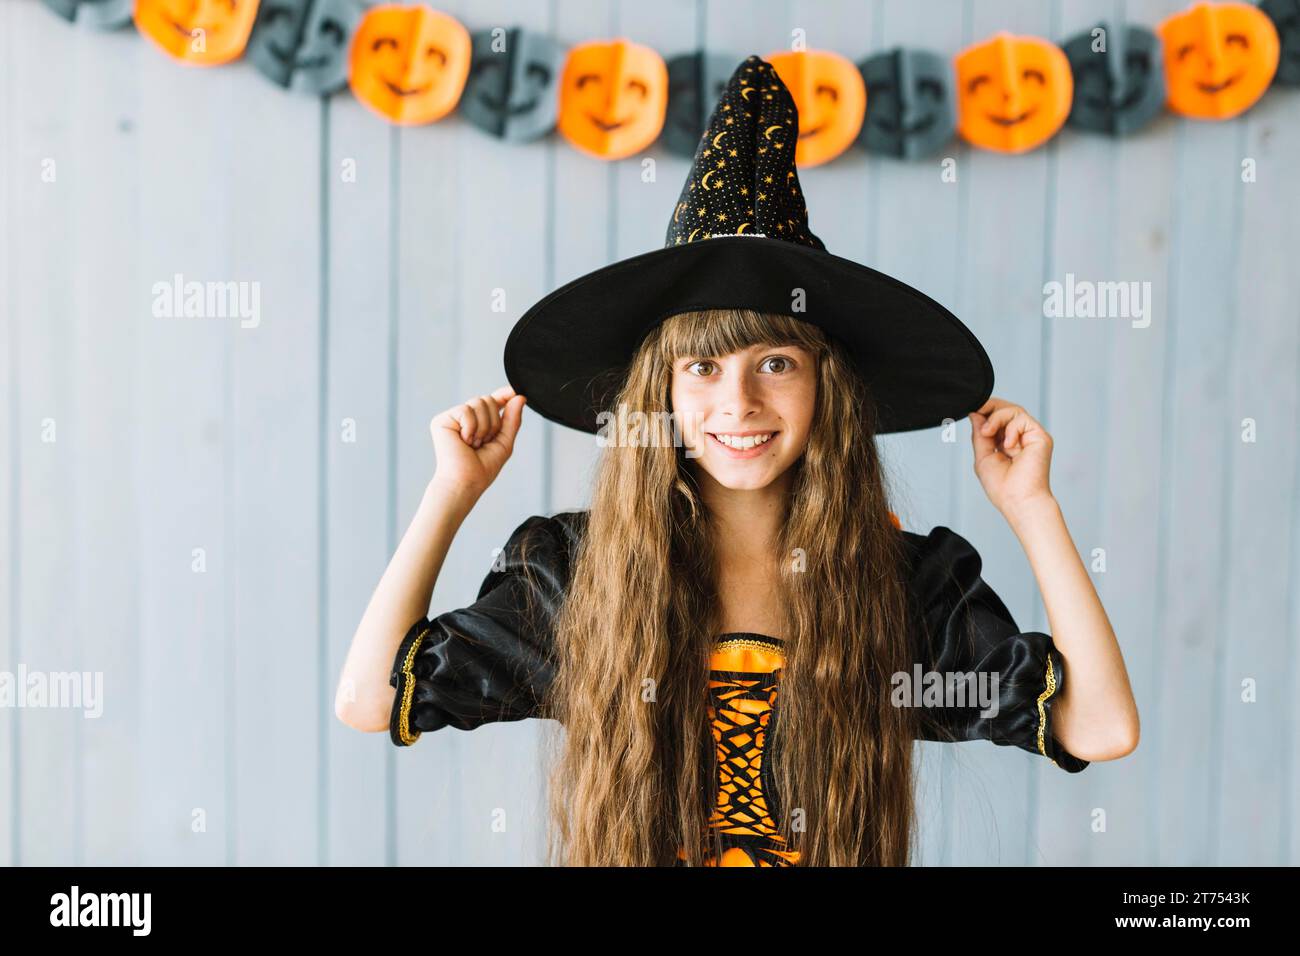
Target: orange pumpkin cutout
x,y
1013,92
1219,59
197,32
831,98
409,63
613,97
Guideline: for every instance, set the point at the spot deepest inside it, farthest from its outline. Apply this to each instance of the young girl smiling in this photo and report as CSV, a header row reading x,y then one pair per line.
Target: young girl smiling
x,y
721,633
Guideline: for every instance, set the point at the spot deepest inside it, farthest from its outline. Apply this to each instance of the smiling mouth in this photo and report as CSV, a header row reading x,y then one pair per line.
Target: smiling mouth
x,y
499,106
812,132
891,127
606,126
311,63
749,444
286,58
1217,87
1128,102
187,32
1010,120
403,91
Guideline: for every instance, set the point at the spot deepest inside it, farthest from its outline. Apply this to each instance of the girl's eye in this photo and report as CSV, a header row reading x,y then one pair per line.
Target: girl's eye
x,y
783,365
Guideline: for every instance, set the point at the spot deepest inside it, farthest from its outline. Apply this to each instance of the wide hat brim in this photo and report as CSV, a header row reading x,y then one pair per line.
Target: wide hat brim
x,y
568,354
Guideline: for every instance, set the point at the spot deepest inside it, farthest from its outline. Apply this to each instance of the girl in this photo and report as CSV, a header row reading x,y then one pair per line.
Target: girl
x,y
739,554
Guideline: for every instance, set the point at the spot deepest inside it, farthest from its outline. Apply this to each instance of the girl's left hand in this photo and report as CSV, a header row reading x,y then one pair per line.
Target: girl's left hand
x,y
1012,454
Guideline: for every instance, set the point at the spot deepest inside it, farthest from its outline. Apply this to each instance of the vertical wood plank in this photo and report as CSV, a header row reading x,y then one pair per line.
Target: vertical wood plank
x,y
9,445
46,639
1191,622
427,364
1122,449
1081,214
1260,341
273,416
357,434
1001,281
182,372
473,236
917,234
103,111
583,230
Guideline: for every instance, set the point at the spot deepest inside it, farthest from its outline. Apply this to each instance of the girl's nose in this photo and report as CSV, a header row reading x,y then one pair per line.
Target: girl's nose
x,y
742,399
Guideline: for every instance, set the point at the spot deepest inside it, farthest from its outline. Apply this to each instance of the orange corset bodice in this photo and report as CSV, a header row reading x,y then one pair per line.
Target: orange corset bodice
x,y
745,673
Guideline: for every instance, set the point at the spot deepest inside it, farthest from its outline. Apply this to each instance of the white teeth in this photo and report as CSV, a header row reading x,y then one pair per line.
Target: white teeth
x,y
748,441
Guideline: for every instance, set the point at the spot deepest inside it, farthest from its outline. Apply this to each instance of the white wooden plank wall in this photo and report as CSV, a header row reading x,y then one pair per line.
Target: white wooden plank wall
x,y
216,502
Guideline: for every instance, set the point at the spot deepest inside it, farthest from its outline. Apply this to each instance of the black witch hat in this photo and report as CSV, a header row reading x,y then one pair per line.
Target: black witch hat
x,y
739,238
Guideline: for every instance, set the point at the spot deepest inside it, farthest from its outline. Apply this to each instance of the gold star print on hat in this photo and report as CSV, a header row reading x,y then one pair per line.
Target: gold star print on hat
x,y
743,180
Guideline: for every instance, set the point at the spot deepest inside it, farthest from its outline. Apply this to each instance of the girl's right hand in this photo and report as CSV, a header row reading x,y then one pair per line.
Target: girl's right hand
x,y
473,440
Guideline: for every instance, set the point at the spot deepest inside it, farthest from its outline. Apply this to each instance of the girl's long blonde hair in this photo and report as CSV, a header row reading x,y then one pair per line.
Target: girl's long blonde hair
x,y
636,780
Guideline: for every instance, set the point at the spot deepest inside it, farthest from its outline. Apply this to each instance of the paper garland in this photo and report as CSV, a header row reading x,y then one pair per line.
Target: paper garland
x,y
511,76
1220,58
197,32
413,65
96,14
303,44
408,63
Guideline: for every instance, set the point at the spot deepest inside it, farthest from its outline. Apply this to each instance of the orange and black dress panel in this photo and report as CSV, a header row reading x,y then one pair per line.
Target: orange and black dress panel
x,y
745,670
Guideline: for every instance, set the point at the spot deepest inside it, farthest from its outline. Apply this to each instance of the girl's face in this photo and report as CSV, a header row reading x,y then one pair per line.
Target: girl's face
x,y
746,416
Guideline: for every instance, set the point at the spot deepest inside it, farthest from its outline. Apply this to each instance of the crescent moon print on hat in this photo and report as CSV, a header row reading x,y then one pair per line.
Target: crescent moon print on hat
x,y
304,43
738,237
511,90
695,81
756,131
1120,87
909,103
97,14
1285,15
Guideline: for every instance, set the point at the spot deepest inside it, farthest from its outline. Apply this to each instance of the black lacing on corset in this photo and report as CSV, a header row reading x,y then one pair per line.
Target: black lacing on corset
x,y
743,816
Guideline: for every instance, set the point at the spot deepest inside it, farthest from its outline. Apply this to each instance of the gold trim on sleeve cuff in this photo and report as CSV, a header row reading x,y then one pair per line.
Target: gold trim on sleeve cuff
x,y
408,689
1042,711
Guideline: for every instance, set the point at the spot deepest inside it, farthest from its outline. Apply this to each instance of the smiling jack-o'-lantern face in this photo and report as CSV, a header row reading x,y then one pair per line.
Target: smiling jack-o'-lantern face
x,y
304,43
1119,84
1219,59
409,63
510,92
198,32
910,112
831,99
1014,92
613,96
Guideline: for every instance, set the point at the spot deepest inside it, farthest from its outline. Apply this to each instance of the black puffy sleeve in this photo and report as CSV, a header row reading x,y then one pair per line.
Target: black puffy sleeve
x,y
491,661
964,628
